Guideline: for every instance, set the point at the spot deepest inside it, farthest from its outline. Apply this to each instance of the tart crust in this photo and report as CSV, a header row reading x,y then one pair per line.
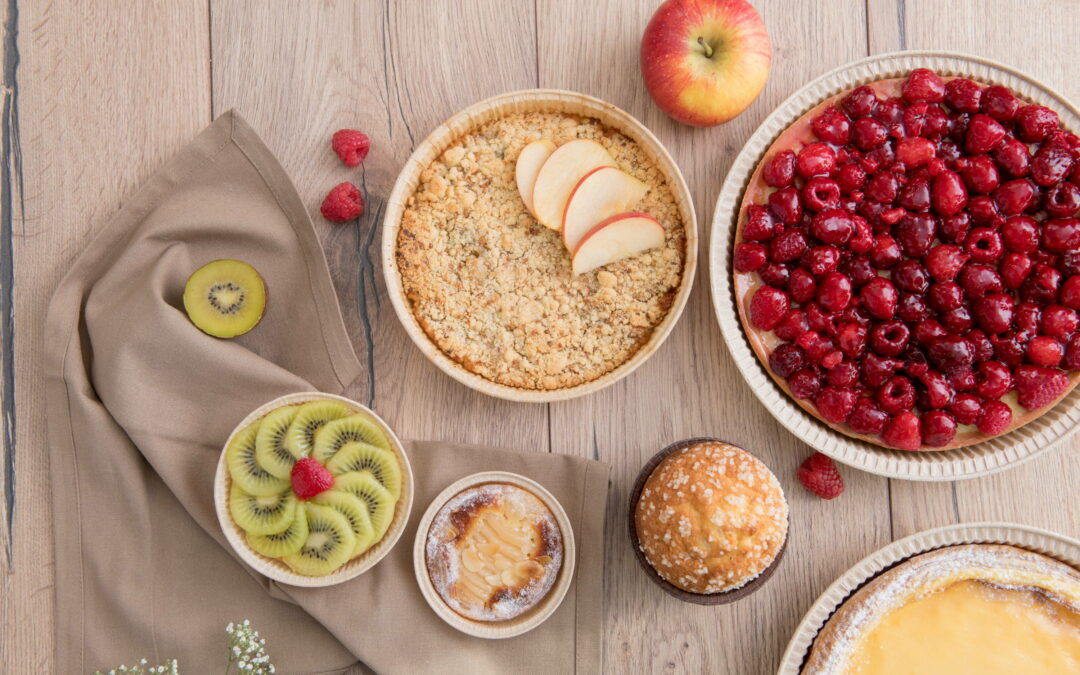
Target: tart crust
x,y
493,288
797,135
997,565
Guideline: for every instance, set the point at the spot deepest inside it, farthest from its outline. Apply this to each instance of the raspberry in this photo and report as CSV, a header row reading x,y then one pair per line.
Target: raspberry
x,y
835,404
309,478
351,146
818,474
995,418
343,203
904,432
1038,386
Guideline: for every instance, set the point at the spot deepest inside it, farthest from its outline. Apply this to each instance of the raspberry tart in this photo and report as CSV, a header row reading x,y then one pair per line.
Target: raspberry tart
x,y
976,608
907,261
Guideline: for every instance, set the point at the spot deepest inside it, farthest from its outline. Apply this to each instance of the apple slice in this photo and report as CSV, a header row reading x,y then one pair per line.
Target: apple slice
x,y
618,237
529,161
599,195
560,173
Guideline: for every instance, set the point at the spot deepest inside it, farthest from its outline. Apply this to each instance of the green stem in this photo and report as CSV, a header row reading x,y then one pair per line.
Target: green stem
x,y
705,45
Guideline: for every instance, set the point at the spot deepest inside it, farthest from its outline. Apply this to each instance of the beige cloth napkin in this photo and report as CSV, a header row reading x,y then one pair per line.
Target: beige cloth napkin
x,y
140,403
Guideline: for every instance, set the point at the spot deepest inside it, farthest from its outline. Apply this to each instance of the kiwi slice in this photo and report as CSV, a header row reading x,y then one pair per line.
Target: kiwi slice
x,y
357,456
245,469
262,515
379,501
311,417
225,298
329,544
355,511
333,435
270,451
283,543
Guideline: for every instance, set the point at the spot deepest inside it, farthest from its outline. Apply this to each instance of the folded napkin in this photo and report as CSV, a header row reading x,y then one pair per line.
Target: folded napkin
x,y
140,403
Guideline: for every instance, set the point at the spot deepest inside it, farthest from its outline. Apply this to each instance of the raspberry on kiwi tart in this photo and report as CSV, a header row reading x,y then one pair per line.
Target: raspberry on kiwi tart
x,y
907,261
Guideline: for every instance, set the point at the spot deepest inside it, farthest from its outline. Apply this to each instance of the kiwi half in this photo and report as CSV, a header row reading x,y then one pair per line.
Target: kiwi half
x,y
225,298
380,503
311,417
330,438
283,543
358,456
329,544
270,451
262,515
355,511
245,469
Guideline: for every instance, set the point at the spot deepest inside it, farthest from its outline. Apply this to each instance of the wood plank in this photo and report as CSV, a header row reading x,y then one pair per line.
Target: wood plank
x,y
396,74
690,386
1034,493
101,106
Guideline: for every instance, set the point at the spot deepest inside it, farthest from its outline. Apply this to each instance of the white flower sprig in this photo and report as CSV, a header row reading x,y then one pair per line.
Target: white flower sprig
x,y
141,668
246,649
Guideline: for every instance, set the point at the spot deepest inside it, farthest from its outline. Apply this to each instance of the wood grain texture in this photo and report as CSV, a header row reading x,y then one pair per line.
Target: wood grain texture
x,y
103,104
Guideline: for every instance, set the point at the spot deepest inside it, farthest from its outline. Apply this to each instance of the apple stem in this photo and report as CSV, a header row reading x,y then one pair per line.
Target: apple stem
x,y
706,47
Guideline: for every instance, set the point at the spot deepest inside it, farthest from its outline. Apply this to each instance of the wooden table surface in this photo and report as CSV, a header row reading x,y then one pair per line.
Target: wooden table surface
x,y
98,94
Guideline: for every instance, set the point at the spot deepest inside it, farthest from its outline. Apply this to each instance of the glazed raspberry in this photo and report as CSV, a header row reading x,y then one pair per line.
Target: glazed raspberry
x,y
876,370
1038,386
832,126
903,432
948,195
1072,353
916,234
1034,123
1013,158
1061,235
916,195
792,325
787,246
787,359
1007,349
945,297
1015,268
343,203
804,384
351,146
818,474
984,349
923,84
944,262
1058,321
890,338
759,224
994,312
929,330
980,174
952,352
1028,318
867,417
1020,234
861,102
868,133
786,205
964,380
1015,196
835,404
801,285
780,170
879,297
984,211
851,338
890,112
749,256
309,478
768,307
912,308
816,159
843,374
774,275
834,226
1045,351
995,418
821,260
1069,263
957,320
850,177
863,238
983,244
983,134
938,428
999,103
910,276
1051,164
955,228
896,395
834,292
1063,200
914,152
994,379
963,95
820,193
883,187
977,280
1070,292
892,216
1041,287
966,408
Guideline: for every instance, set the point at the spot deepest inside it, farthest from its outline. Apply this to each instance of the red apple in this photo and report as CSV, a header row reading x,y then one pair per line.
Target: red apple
x,y
705,61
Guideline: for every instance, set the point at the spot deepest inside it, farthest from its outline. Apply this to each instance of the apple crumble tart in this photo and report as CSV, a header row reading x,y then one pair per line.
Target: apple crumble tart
x,y
494,289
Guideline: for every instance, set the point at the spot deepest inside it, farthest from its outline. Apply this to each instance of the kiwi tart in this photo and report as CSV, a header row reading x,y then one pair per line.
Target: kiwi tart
x,y
312,484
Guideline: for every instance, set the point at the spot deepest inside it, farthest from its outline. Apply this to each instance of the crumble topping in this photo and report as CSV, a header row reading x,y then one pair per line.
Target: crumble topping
x,y
493,288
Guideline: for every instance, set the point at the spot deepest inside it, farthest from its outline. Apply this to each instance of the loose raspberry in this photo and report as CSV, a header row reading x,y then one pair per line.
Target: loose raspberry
x,y
351,146
309,478
344,203
818,474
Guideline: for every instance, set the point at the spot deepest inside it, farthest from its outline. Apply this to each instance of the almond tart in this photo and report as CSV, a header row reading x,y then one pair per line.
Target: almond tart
x,y
973,608
907,261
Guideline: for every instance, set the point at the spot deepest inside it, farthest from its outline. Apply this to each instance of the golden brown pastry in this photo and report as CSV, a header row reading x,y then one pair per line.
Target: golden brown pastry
x,y
493,552
711,517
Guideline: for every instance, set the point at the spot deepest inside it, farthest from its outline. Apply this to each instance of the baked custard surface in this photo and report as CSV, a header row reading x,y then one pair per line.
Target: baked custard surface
x,y
493,288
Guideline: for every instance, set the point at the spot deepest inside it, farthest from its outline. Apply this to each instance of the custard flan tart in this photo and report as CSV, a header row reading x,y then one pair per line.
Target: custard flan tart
x,y
973,608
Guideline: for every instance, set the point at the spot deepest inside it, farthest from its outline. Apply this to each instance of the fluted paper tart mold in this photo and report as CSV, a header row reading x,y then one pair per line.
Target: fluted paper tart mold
x,y
980,459
544,608
1051,544
533,100
277,569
